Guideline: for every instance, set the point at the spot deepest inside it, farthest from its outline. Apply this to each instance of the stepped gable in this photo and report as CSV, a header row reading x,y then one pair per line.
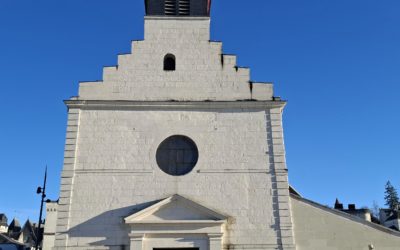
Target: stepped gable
x,y
176,61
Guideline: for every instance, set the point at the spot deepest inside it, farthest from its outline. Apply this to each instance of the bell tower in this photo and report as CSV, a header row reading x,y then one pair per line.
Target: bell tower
x,y
178,7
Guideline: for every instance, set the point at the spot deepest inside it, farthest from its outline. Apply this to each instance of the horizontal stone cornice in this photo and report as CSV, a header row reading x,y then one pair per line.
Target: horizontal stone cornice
x,y
173,105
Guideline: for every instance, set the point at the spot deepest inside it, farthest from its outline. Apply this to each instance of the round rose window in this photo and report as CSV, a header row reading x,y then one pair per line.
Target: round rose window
x,y
177,155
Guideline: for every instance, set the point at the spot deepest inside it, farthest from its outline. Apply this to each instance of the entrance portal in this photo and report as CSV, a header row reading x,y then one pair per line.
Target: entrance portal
x,y
176,223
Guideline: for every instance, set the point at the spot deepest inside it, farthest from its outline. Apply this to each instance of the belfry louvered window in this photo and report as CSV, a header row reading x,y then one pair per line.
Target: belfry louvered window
x,y
177,7
184,7
170,7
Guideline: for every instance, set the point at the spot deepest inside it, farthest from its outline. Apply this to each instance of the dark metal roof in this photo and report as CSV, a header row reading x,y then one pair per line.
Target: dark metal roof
x,y
30,228
394,216
4,239
3,220
292,190
15,226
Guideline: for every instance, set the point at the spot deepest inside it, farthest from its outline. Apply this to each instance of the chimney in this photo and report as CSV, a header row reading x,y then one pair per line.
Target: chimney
x,y
352,207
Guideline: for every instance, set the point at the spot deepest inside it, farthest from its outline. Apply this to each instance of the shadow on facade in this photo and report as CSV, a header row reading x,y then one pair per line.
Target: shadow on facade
x,y
108,228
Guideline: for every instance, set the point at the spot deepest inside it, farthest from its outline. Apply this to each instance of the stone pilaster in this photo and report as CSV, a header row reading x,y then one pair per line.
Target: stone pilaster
x,y
215,241
67,177
136,241
280,179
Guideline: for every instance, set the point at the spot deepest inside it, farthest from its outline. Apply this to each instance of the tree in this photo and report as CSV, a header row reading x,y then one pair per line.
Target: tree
x,y
375,209
391,197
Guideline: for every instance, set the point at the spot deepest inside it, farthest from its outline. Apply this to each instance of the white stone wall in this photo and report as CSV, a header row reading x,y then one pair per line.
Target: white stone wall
x,y
116,170
316,228
115,127
202,71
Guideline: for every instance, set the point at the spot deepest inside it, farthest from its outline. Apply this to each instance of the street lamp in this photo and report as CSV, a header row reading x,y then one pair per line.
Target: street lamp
x,y
42,191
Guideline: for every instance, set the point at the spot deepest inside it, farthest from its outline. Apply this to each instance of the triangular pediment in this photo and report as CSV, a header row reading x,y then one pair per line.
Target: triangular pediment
x,y
176,209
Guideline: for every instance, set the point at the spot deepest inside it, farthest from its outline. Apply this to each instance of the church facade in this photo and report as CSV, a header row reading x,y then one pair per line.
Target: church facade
x,y
178,149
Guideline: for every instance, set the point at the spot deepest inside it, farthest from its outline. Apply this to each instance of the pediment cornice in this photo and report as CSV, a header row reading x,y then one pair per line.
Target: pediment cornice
x,y
176,210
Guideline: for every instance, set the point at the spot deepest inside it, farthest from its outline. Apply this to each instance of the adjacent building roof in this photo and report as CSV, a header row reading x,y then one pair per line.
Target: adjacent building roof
x,y
3,220
30,229
15,226
4,239
292,190
394,216
14,229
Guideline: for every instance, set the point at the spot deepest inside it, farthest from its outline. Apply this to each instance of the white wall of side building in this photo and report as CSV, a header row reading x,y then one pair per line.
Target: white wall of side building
x,y
3,229
50,225
317,227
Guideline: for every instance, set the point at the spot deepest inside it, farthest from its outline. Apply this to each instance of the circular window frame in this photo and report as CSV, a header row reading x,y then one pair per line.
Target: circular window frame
x,y
177,155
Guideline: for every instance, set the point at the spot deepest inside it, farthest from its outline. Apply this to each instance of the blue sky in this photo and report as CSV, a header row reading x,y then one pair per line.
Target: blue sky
x,y
336,62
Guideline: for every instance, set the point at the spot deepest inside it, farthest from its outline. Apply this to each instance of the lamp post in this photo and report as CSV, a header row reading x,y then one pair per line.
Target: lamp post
x,y
42,191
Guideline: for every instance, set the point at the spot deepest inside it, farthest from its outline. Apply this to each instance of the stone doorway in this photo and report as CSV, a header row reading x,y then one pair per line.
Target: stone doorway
x,y
176,223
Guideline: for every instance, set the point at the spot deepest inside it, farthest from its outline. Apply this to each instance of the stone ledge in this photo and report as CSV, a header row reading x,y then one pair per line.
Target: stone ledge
x,y
171,105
